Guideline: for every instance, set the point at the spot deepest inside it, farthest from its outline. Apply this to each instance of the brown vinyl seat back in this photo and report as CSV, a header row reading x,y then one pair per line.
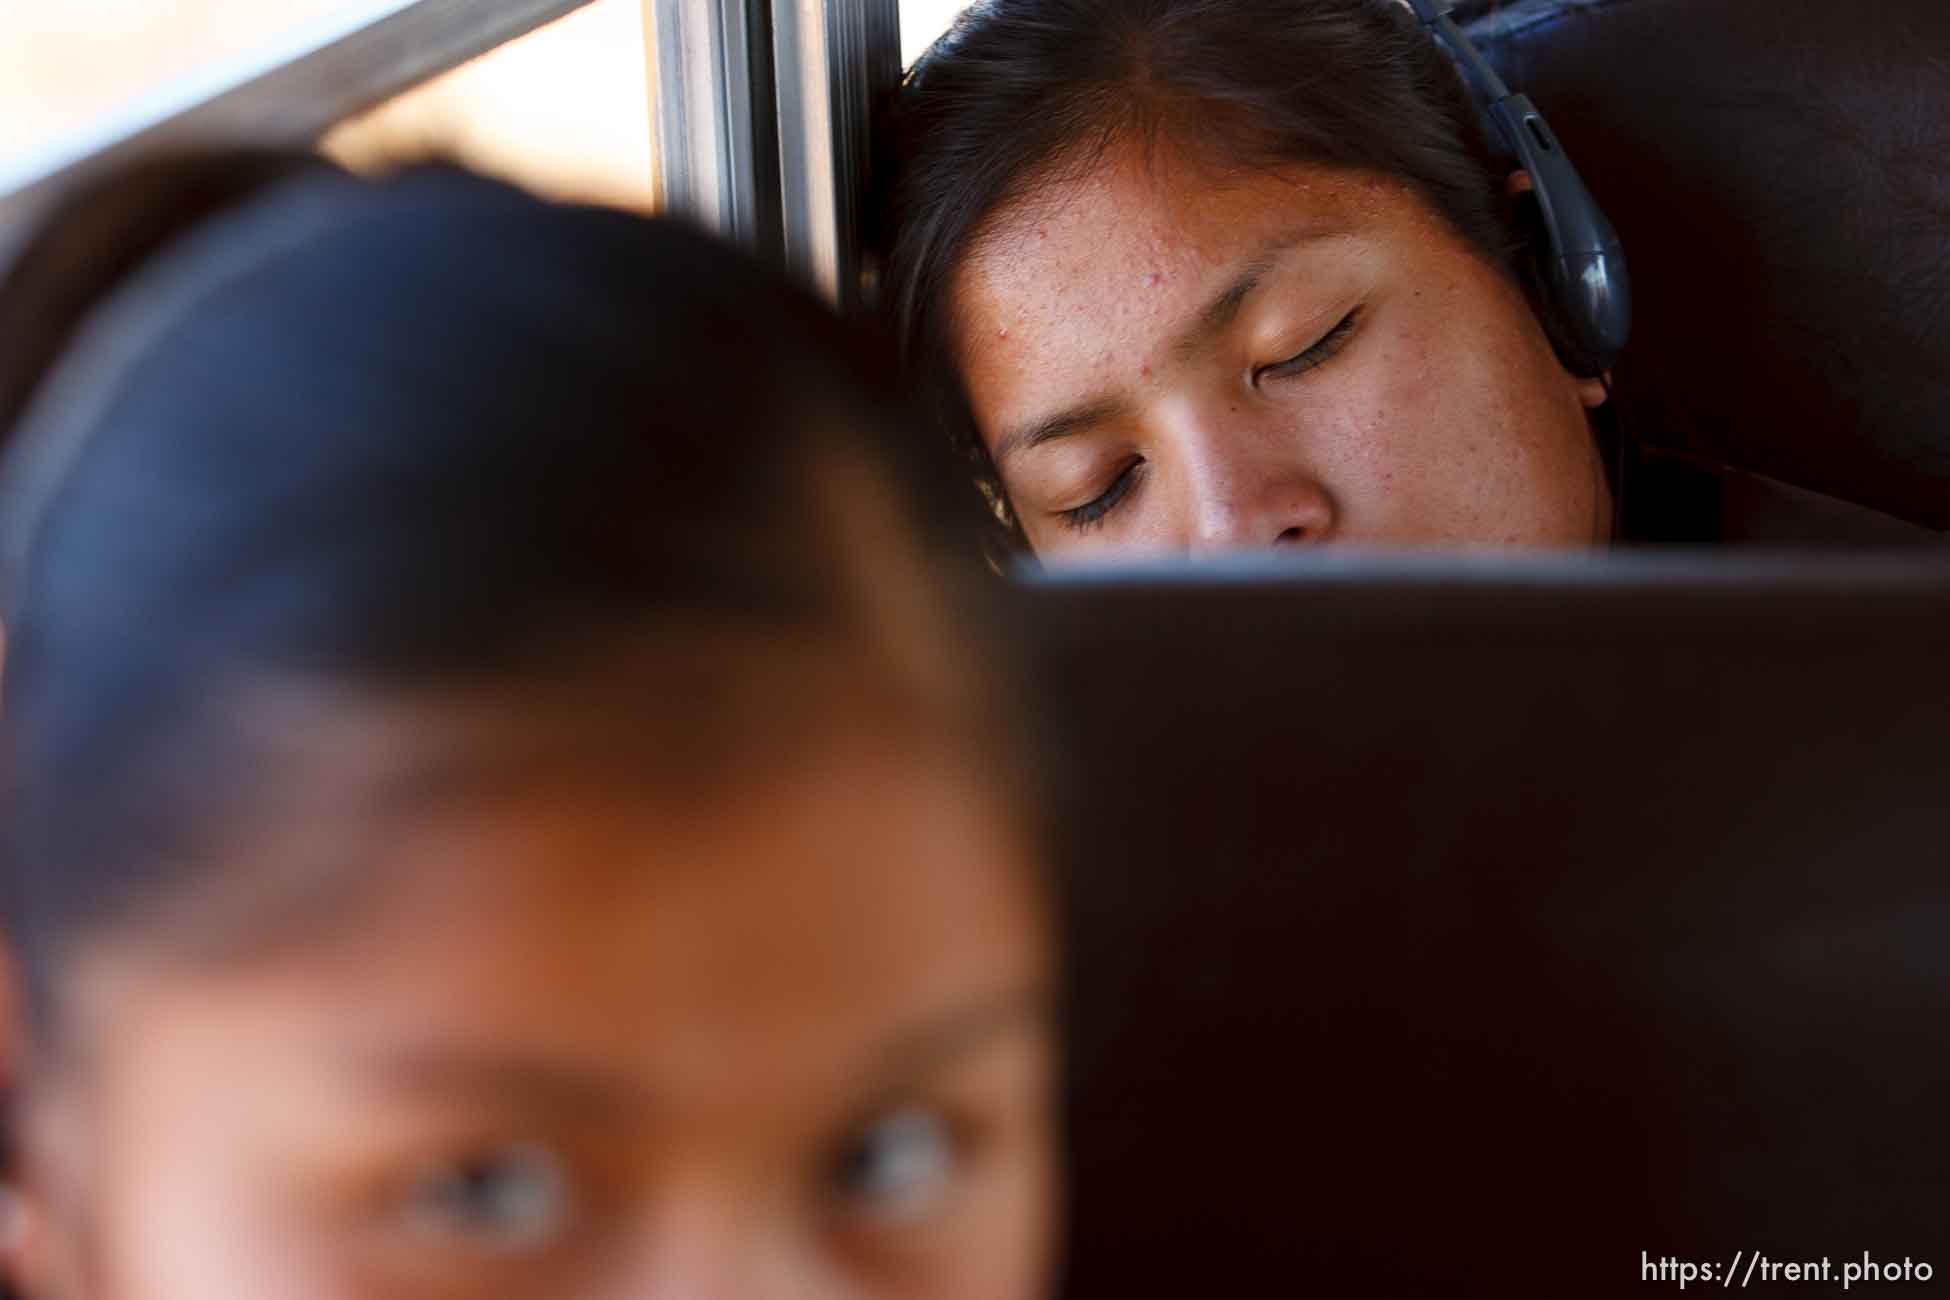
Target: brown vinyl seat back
x,y
1779,171
1467,936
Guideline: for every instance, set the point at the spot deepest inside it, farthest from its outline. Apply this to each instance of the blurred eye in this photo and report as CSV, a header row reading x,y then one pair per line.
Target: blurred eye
x,y
900,1168
507,1200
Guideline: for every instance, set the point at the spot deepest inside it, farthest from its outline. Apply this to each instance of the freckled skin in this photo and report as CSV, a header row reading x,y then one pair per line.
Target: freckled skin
x,y
1443,418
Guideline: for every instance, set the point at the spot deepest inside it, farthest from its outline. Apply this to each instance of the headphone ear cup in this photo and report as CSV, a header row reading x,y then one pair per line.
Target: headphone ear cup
x,y
1546,303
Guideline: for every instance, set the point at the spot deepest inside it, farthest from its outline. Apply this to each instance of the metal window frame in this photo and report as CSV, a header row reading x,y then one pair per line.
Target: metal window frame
x,y
711,107
763,111
833,60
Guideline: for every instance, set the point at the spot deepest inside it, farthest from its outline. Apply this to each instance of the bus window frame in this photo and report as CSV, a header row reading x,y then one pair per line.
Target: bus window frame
x,y
760,110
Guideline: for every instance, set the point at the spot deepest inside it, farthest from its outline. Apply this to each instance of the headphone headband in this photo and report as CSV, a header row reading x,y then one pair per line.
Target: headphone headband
x,y
1585,277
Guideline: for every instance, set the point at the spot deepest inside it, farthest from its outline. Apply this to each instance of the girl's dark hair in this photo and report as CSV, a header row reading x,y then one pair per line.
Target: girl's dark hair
x,y
1023,92
101,233
430,432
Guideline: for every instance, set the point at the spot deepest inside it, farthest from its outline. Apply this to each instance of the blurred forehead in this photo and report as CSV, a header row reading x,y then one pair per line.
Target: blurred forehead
x,y
488,882
790,897
305,784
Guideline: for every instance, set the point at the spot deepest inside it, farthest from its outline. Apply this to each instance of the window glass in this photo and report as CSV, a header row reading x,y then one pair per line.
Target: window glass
x,y
921,22
67,64
565,109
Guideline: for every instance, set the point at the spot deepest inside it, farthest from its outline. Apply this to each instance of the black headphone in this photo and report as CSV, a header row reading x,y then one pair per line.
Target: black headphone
x,y
1581,269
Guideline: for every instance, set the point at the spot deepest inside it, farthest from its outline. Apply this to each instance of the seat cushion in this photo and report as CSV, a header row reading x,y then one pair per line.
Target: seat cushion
x,y
1780,173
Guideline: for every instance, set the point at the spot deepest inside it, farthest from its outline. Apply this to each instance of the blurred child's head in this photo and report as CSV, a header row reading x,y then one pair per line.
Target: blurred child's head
x,y
503,797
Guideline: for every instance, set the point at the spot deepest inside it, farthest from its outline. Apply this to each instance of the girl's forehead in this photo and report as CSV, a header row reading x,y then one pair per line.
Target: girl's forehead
x,y
356,818
601,922
1172,201
1140,225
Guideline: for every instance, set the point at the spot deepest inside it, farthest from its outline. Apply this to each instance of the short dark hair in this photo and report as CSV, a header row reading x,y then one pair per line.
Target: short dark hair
x,y
1020,90
430,433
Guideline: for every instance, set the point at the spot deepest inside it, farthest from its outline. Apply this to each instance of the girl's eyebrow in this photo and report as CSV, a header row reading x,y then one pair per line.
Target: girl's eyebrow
x,y
1209,322
1078,419
474,1074
942,1039
591,1095
1225,305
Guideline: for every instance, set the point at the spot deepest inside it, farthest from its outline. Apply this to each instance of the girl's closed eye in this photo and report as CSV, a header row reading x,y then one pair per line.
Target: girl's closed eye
x,y
1315,354
1093,512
